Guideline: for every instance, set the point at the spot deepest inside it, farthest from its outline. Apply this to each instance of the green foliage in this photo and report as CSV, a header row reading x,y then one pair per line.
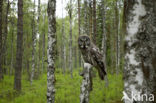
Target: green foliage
x,y
67,89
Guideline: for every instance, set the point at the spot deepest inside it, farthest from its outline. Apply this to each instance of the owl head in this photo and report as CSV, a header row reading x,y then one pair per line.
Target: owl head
x,y
84,42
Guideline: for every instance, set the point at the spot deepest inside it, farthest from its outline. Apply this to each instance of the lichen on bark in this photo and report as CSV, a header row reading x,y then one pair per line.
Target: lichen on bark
x,y
140,47
51,52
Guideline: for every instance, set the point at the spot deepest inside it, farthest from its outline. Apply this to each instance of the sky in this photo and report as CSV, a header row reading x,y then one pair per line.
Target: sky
x,y
58,7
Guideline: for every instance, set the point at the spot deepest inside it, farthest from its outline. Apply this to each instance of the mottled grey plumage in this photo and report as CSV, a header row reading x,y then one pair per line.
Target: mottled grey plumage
x,y
91,54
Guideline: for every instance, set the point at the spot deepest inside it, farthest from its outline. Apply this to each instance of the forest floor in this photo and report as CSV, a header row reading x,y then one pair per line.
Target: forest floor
x,y
67,89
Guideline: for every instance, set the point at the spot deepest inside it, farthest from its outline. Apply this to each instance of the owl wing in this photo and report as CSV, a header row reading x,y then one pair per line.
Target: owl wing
x,y
98,59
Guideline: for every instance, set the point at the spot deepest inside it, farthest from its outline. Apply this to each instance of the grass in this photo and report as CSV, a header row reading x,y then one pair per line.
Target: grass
x,y
67,89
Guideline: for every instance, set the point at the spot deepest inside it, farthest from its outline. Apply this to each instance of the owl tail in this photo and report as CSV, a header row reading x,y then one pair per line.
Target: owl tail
x,y
101,71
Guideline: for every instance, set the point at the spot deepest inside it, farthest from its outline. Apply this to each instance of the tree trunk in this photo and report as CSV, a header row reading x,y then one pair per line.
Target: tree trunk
x,y
33,46
4,49
64,44
79,22
75,56
94,21
86,84
12,49
85,25
1,15
28,70
117,35
43,46
90,18
19,51
70,40
39,42
51,52
140,46
104,37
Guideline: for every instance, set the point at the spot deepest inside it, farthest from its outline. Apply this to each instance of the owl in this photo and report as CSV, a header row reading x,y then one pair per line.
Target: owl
x,y
92,55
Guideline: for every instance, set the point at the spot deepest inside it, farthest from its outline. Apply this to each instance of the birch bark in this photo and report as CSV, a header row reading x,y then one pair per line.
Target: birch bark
x,y
140,46
51,52
33,46
86,83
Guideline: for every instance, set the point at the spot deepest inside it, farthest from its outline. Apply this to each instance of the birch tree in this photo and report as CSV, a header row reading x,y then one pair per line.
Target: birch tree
x,y
70,38
64,44
90,18
1,10
140,46
19,51
117,26
104,37
43,45
85,24
33,46
51,50
86,84
79,23
38,35
94,21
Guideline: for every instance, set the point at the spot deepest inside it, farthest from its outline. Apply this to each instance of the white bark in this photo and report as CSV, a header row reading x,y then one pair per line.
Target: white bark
x,y
85,86
140,59
51,51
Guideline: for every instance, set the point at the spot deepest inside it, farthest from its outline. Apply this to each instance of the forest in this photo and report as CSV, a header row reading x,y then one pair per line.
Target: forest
x,y
77,51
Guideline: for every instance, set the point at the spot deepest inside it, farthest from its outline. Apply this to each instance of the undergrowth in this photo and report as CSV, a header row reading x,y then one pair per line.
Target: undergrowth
x,y
67,89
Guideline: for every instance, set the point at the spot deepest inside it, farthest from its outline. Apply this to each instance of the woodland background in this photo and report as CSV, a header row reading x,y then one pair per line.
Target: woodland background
x,y
100,19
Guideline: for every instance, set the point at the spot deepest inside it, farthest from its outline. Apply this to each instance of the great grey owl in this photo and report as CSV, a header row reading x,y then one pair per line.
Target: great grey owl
x,y
92,55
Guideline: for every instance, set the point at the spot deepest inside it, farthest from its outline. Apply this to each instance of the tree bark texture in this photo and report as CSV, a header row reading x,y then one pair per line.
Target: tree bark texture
x,y
33,47
70,40
79,22
140,47
94,21
86,25
12,50
51,52
64,44
104,37
86,84
19,51
117,35
39,42
43,47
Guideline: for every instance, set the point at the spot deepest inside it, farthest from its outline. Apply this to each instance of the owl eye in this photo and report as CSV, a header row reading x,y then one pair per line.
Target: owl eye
x,y
80,42
88,42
